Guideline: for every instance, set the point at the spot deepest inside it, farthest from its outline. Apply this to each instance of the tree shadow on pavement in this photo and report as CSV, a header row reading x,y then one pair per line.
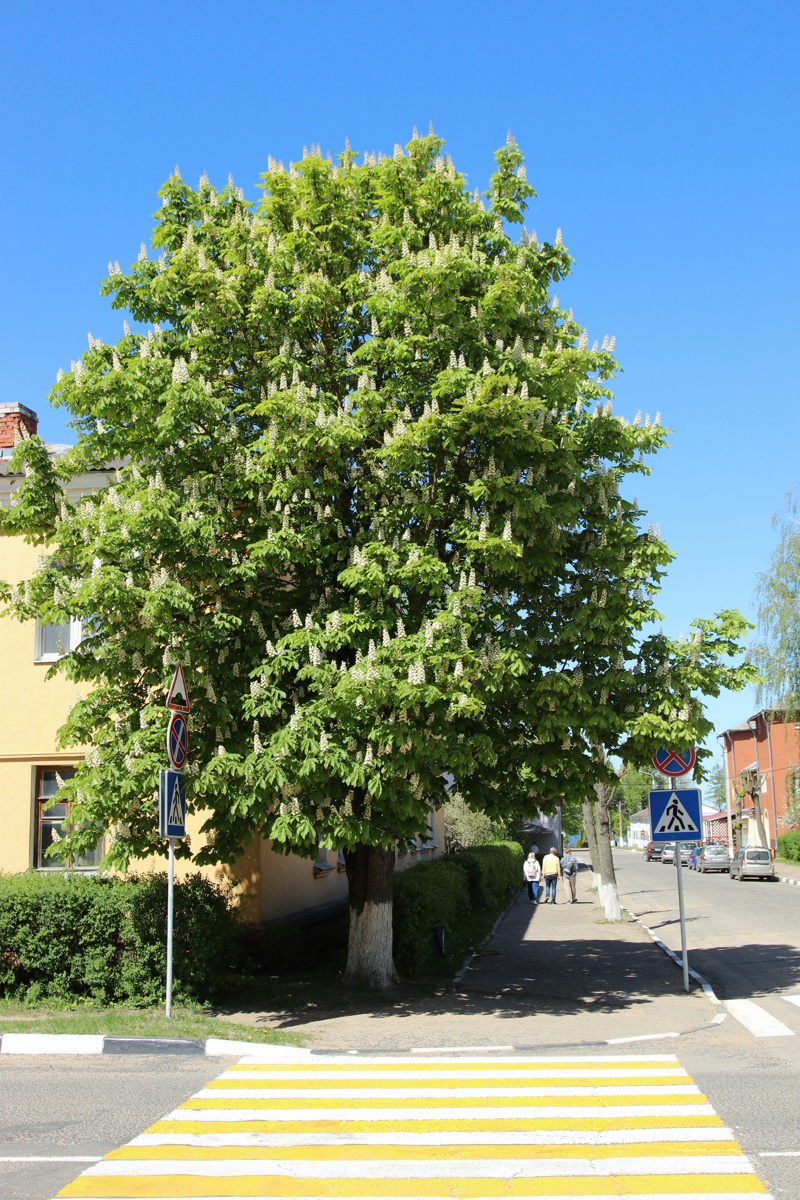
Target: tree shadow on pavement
x,y
565,961
525,968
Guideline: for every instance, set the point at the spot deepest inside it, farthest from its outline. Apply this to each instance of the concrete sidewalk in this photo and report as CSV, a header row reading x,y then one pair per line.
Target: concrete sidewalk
x,y
552,976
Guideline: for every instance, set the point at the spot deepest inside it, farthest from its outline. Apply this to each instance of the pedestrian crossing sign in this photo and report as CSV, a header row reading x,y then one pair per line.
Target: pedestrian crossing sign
x,y
171,805
675,816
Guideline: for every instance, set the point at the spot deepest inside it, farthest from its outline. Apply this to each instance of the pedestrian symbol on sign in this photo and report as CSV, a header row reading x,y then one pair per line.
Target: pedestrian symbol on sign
x,y
675,818
175,815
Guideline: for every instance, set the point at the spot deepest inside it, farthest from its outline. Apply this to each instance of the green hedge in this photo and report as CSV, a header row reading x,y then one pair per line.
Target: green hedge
x,y
494,872
789,845
450,891
423,895
68,936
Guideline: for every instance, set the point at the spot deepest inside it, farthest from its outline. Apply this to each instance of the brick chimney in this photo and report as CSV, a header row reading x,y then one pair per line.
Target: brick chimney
x,y
14,418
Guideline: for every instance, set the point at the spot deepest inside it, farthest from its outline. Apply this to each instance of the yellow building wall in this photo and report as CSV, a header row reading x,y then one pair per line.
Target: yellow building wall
x,y
31,710
289,885
271,886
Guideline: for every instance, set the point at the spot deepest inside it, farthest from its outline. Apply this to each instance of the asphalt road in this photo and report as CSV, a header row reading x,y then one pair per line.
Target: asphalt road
x,y
73,1107
744,938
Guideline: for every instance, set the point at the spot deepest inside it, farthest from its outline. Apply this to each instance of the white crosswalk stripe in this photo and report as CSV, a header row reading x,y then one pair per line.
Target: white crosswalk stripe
x,y
757,1020
434,1129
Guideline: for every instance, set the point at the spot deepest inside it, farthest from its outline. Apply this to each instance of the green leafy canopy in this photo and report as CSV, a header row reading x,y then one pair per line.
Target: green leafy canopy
x,y
368,490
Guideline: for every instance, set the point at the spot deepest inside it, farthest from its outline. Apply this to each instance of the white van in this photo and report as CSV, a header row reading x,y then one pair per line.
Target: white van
x,y
753,863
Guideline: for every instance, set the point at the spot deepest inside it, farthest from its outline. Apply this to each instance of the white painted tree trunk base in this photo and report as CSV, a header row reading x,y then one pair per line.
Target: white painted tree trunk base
x,y
369,950
609,898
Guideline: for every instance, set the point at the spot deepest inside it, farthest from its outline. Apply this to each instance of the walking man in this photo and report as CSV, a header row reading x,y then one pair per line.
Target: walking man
x,y
569,870
551,871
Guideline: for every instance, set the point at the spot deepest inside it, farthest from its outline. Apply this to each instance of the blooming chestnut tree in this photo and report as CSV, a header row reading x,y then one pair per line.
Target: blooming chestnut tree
x,y
370,491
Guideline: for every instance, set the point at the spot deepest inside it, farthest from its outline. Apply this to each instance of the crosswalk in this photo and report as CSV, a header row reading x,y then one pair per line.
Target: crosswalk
x,y
381,1128
757,1020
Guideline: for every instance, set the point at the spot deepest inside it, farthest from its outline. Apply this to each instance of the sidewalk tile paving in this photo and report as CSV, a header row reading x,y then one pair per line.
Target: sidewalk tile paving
x,y
470,1128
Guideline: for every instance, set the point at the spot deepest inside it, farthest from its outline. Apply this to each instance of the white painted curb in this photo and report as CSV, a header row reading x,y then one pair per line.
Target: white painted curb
x,y
52,1043
97,1043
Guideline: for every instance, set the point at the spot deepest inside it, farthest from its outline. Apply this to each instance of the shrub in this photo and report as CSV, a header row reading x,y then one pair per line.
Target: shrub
x,y
423,895
494,872
449,891
67,937
789,845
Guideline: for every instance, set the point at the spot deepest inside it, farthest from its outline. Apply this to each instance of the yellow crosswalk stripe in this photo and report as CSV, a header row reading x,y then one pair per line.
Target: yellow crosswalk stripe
x,y
176,1187
381,1129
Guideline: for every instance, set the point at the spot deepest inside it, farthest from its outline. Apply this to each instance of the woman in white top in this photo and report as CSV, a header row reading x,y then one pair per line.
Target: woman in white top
x,y
532,874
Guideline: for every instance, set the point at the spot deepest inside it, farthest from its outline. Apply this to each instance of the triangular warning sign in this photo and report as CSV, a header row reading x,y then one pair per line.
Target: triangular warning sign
x,y
175,816
178,696
675,818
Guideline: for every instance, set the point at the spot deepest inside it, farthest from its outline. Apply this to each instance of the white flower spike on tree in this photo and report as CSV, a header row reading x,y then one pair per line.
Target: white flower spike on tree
x,y
330,424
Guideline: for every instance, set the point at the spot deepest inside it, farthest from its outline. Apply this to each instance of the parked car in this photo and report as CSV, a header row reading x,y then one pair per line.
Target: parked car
x,y
713,857
668,853
752,863
652,851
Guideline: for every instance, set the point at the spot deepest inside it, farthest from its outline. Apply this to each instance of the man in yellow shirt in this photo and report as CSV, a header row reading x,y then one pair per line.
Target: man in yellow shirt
x,y
551,873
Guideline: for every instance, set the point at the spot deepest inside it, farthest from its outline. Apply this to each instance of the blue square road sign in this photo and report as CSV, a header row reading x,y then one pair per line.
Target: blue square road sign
x,y
171,804
676,816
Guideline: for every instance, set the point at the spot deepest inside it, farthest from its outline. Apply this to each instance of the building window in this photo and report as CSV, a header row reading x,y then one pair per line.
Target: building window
x,y
322,866
428,838
53,641
52,823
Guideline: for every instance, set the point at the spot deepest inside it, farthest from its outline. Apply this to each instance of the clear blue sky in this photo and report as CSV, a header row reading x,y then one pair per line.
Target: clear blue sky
x,y
661,137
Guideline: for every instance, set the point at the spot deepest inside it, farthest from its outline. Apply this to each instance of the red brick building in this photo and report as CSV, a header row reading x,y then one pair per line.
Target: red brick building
x,y
766,748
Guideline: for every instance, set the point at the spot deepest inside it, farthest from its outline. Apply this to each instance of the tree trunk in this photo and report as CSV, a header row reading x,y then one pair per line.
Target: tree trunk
x,y
762,833
591,838
607,887
370,874
738,838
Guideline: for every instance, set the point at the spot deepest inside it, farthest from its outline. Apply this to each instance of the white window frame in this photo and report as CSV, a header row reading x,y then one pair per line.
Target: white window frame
x,y
42,864
75,635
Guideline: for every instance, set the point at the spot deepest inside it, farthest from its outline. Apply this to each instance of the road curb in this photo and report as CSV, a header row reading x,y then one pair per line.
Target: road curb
x,y
791,882
94,1044
708,990
91,1043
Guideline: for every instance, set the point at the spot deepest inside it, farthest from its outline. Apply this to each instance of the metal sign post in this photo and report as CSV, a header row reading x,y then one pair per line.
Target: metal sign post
x,y
170,914
172,799
684,950
171,825
676,817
